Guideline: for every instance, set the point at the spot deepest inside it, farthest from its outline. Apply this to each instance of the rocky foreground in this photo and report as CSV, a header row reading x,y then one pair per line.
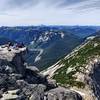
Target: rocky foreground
x,y
18,81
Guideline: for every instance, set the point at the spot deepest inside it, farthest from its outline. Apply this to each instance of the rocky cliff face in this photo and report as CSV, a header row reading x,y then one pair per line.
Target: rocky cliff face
x,y
95,78
21,82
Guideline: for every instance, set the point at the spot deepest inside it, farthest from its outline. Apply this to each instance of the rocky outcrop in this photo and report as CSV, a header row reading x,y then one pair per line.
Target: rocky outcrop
x,y
94,82
12,61
21,82
62,94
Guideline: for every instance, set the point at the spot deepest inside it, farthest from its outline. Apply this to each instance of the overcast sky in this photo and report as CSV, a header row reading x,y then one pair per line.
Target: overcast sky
x,y
49,12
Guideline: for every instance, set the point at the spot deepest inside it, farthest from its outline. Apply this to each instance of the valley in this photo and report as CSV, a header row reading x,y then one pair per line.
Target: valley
x,y
38,57
47,44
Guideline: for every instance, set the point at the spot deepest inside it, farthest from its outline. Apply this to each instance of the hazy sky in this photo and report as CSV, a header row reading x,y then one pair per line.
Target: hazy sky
x,y
52,12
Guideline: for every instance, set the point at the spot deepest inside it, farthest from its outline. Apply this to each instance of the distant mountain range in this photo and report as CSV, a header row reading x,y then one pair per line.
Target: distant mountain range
x,y
47,44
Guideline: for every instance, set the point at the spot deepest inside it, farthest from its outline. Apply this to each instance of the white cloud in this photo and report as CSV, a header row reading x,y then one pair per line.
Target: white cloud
x,y
49,12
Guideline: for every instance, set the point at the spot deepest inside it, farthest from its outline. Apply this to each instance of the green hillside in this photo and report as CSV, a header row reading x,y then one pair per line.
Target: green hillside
x,y
77,62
